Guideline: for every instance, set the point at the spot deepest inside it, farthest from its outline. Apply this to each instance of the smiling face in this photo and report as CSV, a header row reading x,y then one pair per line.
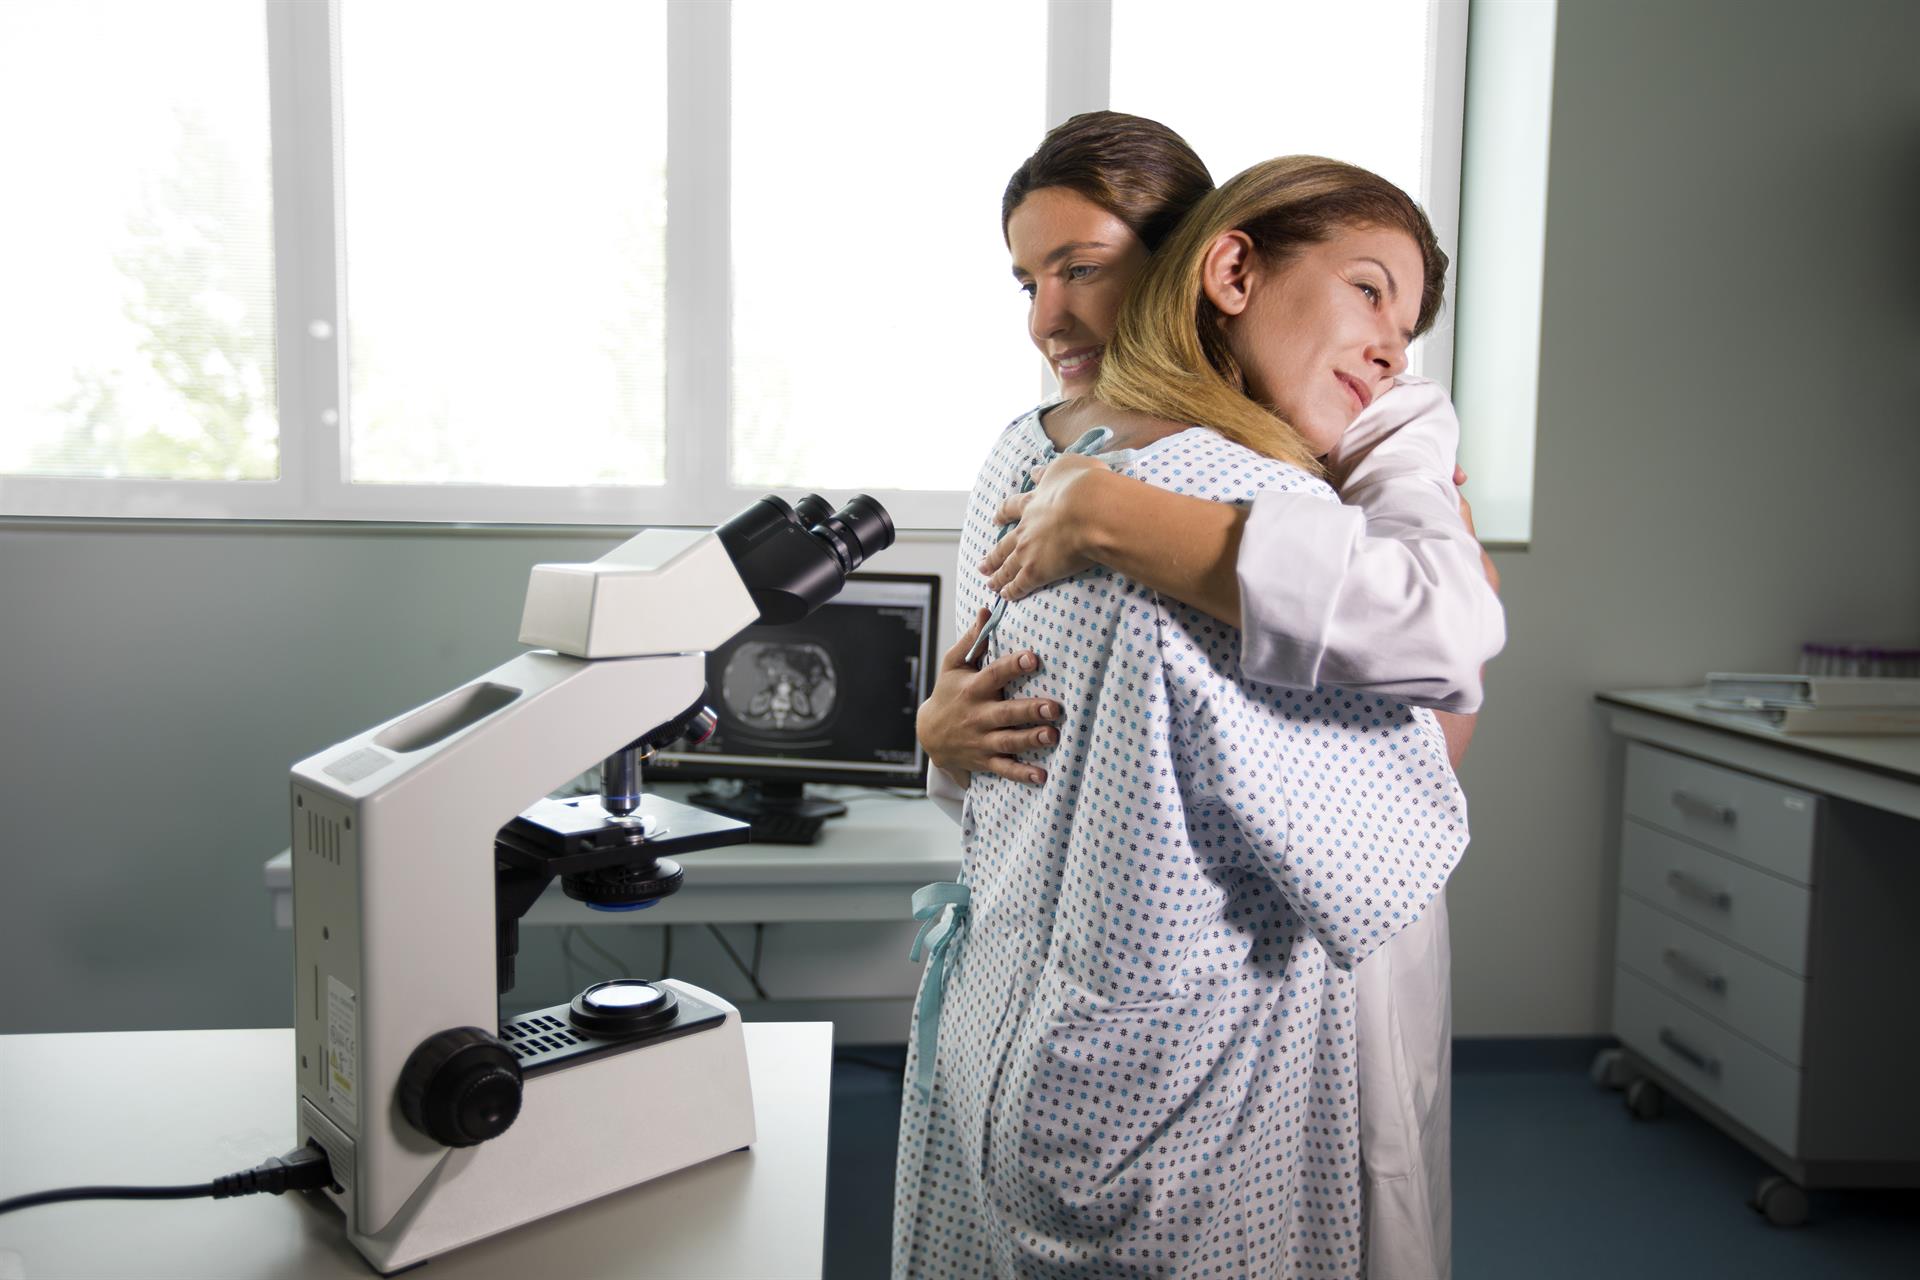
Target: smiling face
x,y
1322,333
1074,260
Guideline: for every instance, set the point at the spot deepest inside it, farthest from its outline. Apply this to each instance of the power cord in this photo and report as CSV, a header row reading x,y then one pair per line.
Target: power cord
x,y
616,967
752,975
302,1169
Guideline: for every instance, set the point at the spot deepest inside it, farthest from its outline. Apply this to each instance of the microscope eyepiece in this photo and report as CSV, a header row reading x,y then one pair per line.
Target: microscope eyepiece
x,y
793,559
857,532
812,510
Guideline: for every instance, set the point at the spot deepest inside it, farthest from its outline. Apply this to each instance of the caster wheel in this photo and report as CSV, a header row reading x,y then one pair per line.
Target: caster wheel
x,y
1646,1100
1781,1203
1609,1069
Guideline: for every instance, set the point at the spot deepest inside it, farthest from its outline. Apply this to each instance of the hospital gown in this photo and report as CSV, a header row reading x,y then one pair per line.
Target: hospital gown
x,y
1145,1063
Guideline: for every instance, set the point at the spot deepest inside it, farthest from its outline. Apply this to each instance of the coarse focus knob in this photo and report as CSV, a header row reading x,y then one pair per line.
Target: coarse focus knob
x,y
461,1087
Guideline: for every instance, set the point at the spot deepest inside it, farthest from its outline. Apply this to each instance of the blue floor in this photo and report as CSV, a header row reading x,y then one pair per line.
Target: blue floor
x,y
1551,1178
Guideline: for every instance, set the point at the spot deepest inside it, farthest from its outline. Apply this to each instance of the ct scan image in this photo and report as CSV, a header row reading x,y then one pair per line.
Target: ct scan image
x,y
781,689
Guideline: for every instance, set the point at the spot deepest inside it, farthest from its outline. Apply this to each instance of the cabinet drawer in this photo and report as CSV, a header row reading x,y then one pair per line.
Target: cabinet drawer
x,y
1759,1001
1750,818
1739,1077
1749,908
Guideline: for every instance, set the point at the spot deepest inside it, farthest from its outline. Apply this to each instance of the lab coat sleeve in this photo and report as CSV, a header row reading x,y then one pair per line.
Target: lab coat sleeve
x,y
1383,593
947,795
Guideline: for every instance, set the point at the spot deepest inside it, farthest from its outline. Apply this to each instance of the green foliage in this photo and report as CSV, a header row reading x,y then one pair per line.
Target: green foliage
x,y
199,271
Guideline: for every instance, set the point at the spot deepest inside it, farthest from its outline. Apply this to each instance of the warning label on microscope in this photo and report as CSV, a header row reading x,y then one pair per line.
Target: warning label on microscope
x,y
343,1046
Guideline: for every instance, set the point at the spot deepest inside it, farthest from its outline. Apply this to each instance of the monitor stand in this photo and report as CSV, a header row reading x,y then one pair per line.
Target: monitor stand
x,y
779,812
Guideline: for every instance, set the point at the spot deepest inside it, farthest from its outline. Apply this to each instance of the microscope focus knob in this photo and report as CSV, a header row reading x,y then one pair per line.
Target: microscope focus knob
x,y
461,1087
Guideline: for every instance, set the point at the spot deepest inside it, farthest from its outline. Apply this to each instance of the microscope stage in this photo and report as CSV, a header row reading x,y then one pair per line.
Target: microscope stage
x,y
563,837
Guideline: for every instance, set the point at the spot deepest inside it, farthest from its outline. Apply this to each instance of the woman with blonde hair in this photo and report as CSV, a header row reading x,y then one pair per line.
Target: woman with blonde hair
x,y
1390,595
1144,1065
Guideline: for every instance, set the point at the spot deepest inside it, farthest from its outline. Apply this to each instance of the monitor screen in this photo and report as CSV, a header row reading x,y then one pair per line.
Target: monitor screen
x,y
831,698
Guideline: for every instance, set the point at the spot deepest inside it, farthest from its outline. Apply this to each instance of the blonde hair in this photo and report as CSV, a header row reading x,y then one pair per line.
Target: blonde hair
x,y
1169,356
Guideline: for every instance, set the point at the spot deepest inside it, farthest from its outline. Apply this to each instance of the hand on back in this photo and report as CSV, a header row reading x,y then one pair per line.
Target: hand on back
x,y
1049,542
968,725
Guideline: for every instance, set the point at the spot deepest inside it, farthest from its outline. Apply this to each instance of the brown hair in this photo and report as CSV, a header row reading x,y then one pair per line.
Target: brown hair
x,y
1137,169
1169,355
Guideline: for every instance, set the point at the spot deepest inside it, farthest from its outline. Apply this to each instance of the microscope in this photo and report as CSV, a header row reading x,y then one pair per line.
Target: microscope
x,y
416,852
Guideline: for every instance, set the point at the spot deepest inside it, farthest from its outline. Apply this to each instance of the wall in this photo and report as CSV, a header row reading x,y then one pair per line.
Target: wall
x,y
1727,453
157,683
1726,467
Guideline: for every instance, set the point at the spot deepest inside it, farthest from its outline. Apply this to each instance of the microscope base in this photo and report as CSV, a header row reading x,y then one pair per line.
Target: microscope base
x,y
586,1128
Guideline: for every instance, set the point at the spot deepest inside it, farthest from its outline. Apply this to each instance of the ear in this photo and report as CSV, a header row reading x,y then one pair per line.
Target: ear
x,y
1226,272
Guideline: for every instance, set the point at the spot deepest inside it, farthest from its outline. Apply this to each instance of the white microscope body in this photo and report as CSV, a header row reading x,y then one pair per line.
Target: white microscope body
x,y
441,1124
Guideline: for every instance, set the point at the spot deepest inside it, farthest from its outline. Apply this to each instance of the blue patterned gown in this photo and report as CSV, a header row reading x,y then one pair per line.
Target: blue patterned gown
x,y
1145,1063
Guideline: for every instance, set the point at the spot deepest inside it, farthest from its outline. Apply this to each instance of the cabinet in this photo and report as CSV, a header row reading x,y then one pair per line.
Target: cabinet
x,y
1765,965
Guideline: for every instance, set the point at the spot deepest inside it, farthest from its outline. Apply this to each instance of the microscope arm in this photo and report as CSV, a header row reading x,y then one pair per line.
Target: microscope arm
x,y
682,591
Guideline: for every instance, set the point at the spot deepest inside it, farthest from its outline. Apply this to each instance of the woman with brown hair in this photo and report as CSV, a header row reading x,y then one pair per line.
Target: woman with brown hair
x,y
1397,605
1389,593
1145,1062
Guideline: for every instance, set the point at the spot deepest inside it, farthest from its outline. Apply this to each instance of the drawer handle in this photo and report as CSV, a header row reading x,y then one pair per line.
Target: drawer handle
x,y
1687,967
1686,886
1699,807
1688,1053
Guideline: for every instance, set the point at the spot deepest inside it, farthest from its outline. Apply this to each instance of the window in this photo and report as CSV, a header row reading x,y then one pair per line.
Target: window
x,y
505,195
1308,81
136,243
1496,367
607,261
877,335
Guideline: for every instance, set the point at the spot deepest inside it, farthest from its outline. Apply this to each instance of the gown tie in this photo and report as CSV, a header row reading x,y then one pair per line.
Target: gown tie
x,y
938,926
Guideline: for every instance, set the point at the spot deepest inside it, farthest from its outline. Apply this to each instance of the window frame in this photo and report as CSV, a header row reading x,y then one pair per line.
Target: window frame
x,y
303,52
1506,127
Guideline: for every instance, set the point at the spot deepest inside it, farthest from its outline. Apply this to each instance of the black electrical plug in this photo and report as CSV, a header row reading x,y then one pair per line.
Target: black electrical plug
x,y
302,1169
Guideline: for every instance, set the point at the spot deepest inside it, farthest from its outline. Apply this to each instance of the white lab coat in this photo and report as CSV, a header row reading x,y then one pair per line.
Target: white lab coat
x,y
1382,592
1386,593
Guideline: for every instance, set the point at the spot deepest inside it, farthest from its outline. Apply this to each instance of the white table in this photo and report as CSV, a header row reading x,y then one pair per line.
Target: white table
x,y
158,1108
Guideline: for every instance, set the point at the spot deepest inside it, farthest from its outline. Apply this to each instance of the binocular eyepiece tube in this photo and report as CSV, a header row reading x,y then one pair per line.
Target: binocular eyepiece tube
x,y
854,533
793,559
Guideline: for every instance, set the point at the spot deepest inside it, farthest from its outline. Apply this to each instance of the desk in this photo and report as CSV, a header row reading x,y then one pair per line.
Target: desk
x,y
1882,772
173,1107
1764,967
865,867
863,871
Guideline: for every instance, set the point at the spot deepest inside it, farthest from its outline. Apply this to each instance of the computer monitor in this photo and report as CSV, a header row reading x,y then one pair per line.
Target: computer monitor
x,y
829,699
